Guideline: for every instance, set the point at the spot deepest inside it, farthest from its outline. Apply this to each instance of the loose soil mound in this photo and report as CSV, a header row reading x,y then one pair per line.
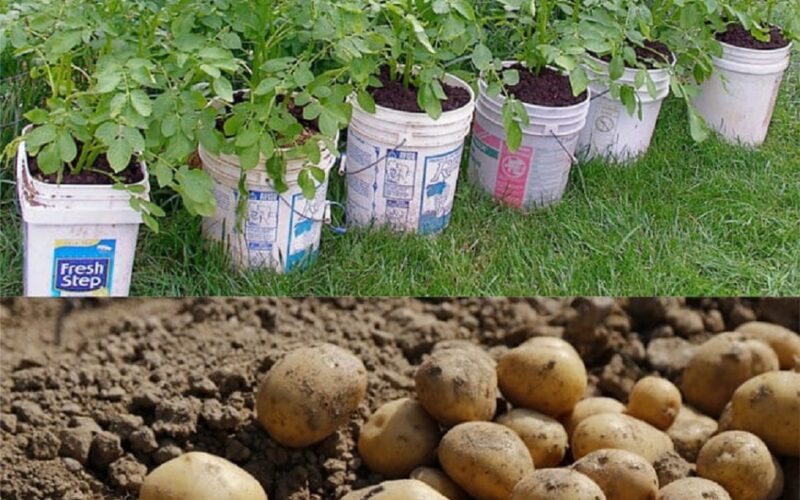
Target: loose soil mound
x,y
135,383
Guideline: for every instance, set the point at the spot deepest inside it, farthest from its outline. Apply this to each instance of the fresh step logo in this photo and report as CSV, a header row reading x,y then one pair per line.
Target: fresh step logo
x,y
83,267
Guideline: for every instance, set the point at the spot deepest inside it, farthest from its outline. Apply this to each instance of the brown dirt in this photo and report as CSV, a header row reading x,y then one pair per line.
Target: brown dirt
x,y
395,96
99,175
735,34
547,88
134,383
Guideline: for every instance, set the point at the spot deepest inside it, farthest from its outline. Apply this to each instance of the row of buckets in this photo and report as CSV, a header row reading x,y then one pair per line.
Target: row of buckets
x,y
401,171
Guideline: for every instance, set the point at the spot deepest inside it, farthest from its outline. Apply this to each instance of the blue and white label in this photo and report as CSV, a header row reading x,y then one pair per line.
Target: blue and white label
x,y
439,179
83,267
305,227
261,227
401,170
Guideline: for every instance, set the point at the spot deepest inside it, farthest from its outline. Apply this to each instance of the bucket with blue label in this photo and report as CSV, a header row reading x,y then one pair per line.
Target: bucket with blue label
x,y
278,231
79,240
402,168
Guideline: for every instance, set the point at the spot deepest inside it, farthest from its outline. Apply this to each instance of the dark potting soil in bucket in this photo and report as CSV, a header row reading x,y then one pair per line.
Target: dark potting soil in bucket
x,y
650,54
546,88
394,95
101,173
737,35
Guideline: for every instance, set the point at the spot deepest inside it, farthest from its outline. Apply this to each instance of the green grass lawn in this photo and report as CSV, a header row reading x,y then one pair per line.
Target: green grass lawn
x,y
687,219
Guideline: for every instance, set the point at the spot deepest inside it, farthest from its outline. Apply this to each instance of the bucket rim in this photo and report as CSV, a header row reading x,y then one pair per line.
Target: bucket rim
x,y
412,115
649,70
482,86
22,151
747,50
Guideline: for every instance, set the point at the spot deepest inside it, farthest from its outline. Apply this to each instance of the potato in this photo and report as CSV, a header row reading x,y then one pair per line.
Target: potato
x,y
556,484
309,393
622,432
456,386
398,437
783,341
546,379
742,464
768,405
439,481
485,459
621,475
401,489
545,437
466,345
552,342
588,407
693,488
200,475
690,431
722,364
655,400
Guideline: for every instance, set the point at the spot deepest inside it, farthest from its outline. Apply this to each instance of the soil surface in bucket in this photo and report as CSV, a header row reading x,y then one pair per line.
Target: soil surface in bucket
x,y
134,383
394,95
99,175
737,35
548,88
651,55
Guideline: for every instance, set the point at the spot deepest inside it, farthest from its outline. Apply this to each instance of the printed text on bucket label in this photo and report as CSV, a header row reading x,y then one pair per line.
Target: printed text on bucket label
x,y
83,267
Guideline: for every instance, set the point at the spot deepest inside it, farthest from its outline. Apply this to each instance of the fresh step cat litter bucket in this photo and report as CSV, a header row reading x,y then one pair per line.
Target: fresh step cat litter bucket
x,y
611,132
536,174
78,239
280,230
738,99
402,167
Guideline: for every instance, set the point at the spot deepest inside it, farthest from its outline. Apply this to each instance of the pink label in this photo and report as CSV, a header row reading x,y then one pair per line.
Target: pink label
x,y
490,140
512,175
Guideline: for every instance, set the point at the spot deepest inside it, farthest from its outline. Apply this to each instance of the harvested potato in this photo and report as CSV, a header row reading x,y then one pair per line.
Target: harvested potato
x,y
398,437
546,379
544,436
721,365
553,342
200,475
693,488
557,484
783,341
588,407
466,345
742,464
439,481
401,489
622,432
621,475
485,459
655,400
768,405
690,431
309,393
456,386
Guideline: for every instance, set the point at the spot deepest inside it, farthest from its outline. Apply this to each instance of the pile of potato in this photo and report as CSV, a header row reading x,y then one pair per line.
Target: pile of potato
x,y
737,408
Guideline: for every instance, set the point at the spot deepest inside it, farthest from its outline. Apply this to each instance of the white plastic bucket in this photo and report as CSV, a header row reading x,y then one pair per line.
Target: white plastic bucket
x,y
738,99
79,240
402,168
280,231
536,174
610,131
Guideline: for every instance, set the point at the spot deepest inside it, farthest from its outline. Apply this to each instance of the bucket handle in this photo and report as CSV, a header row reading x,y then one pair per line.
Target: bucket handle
x,y
343,160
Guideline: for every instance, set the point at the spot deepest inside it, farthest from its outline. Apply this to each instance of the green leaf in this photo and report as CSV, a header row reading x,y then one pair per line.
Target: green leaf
x,y
306,184
419,31
66,147
303,75
318,174
464,8
41,135
481,57
119,154
107,81
62,42
514,136
697,126
49,159
141,103
328,124
266,86
249,156
163,173
169,125
616,67
195,184
223,89
107,132
37,116
510,77
578,80
628,97
366,101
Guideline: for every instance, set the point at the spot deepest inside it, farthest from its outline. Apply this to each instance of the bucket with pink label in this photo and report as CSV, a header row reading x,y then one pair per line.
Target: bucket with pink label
x,y
536,174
